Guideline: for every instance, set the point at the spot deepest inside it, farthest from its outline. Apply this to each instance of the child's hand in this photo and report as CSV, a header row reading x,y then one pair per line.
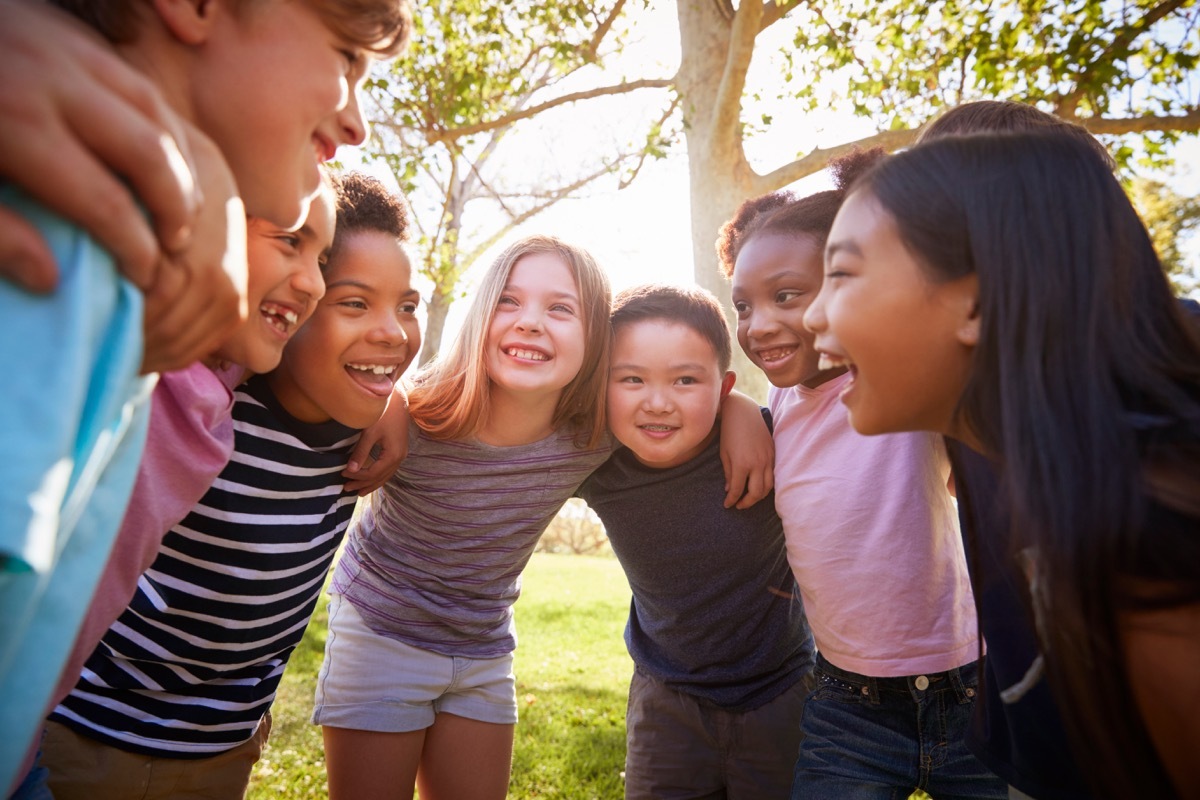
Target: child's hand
x,y
198,297
78,124
381,447
747,452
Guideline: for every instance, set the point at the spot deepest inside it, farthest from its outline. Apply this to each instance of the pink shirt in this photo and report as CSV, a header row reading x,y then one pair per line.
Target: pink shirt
x,y
190,441
872,538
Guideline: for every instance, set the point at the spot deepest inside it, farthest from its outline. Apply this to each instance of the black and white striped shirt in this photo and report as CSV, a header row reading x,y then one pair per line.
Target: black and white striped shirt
x,y
193,663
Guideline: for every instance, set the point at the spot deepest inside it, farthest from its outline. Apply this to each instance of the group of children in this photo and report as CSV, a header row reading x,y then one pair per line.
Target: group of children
x,y
988,300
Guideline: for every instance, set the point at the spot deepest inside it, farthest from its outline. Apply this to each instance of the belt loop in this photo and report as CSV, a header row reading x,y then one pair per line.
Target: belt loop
x,y
872,688
964,693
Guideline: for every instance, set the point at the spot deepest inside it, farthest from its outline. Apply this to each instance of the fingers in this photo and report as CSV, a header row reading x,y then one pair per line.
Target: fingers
x,y
758,487
25,259
735,487
78,125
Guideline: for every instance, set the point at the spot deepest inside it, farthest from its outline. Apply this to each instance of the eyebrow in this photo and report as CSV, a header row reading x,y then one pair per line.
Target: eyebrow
x,y
847,245
356,284
689,367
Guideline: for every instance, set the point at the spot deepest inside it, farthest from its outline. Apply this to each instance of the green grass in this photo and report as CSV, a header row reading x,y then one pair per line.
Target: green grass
x,y
572,680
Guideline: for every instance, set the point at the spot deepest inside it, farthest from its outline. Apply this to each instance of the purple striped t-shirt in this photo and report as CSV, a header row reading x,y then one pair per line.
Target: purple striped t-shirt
x,y
435,560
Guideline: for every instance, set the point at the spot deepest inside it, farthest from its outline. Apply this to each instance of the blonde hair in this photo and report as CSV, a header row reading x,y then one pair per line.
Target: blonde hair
x,y
450,396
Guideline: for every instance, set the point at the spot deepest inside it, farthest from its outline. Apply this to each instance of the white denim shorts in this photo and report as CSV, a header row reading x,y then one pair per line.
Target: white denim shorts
x,y
370,682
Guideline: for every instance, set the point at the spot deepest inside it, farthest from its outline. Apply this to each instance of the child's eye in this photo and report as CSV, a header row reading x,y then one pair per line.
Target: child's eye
x,y
742,308
505,300
562,308
408,308
356,304
687,380
786,296
291,240
631,379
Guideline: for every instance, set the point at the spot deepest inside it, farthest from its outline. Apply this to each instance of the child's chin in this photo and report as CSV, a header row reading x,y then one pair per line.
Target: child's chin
x,y
362,417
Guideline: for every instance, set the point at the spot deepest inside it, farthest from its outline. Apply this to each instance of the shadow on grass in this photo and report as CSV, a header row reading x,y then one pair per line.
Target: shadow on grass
x,y
570,743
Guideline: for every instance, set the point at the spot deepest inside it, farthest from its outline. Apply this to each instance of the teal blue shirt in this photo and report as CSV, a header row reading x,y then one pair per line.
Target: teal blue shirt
x,y
73,415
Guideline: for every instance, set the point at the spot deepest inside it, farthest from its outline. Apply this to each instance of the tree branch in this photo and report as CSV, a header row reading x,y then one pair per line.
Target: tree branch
x,y
819,158
621,88
625,181
1118,47
593,47
1188,122
774,11
733,76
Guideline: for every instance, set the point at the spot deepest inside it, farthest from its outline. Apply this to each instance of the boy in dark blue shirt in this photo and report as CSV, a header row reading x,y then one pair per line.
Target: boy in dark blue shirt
x,y
721,649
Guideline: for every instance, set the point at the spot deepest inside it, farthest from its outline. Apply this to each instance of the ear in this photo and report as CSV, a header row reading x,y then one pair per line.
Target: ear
x,y
727,384
189,21
966,300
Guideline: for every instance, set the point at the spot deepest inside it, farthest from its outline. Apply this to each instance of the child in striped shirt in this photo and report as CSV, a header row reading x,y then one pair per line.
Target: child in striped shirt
x,y
175,698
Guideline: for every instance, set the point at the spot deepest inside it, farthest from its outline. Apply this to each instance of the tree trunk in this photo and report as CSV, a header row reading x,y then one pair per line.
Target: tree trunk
x,y
435,323
720,177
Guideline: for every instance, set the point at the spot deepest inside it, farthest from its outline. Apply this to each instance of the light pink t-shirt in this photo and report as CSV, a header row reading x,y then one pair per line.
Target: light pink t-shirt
x,y
189,442
872,538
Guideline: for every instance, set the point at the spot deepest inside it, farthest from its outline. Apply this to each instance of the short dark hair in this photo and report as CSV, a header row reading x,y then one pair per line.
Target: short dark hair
x,y
687,305
784,213
1007,116
365,204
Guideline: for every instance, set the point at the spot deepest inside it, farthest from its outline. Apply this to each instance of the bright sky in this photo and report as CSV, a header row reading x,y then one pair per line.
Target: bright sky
x,y
643,233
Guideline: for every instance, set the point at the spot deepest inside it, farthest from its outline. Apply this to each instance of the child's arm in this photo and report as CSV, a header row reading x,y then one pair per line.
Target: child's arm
x,y
747,451
381,447
77,123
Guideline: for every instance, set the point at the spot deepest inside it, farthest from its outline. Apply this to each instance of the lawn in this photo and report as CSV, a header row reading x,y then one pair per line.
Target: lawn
x,y
572,679
572,676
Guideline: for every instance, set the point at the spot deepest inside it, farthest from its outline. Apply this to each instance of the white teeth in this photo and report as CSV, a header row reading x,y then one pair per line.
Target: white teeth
x,y
827,361
288,316
528,355
656,428
378,369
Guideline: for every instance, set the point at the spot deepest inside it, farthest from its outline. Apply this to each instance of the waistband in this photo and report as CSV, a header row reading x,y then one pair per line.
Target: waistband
x,y
960,680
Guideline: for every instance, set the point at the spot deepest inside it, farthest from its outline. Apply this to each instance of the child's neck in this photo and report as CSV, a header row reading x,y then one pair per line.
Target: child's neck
x,y
517,419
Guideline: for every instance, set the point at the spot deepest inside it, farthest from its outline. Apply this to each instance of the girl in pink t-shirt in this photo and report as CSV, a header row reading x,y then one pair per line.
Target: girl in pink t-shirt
x,y
872,537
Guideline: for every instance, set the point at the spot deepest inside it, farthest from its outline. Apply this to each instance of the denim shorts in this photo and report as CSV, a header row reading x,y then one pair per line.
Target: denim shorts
x,y
880,738
370,682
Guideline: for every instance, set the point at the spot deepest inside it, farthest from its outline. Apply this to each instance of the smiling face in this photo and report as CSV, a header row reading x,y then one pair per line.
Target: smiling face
x,y
665,388
283,285
774,280
907,340
276,89
343,364
535,342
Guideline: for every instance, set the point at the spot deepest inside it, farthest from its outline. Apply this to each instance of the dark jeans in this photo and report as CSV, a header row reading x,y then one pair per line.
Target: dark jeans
x,y
881,738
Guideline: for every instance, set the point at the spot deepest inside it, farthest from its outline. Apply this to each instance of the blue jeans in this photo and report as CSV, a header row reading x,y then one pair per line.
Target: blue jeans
x,y
881,738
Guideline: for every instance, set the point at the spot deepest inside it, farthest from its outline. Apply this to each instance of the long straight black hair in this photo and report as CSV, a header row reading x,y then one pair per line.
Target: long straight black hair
x,y
1085,384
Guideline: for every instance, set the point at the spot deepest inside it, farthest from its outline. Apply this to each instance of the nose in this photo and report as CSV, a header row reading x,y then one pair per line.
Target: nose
x,y
352,124
388,330
309,281
530,319
657,400
814,317
759,323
